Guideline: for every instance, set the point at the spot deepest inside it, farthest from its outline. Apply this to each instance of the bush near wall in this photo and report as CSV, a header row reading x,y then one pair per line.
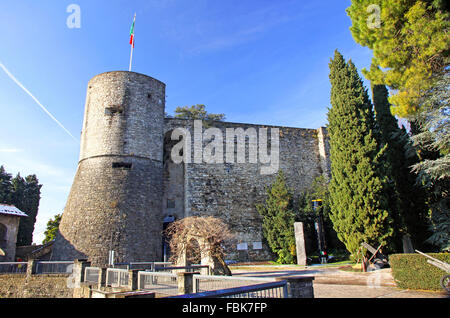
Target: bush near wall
x,y
412,271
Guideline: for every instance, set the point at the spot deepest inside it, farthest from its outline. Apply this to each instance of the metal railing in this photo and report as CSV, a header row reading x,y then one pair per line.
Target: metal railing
x,y
203,283
142,265
188,269
13,267
116,277
92,274
267,290
54,267
159,282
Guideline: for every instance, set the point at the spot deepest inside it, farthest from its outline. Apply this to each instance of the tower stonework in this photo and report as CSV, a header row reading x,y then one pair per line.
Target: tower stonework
x,y
115,202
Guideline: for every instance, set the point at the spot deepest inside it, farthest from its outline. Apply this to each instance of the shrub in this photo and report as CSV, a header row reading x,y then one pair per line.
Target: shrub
x,y
412,271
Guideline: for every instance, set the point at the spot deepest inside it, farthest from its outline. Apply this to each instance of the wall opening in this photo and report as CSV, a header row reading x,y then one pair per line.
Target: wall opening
x,y
112,110
3,235
122,165
165,239
173,181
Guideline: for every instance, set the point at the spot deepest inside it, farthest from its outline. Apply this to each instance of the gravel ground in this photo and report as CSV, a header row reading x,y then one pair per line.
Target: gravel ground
x,y
331,282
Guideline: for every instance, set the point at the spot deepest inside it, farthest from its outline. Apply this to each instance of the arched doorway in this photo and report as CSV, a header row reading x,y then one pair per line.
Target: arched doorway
x,y
166,240
193,252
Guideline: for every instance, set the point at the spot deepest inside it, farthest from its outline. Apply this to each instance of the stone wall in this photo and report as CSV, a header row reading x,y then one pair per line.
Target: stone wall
x,y
230,190
10,223
36,286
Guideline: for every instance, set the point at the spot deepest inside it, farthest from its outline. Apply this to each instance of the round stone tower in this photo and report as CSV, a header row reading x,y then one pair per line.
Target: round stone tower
x,y
115,202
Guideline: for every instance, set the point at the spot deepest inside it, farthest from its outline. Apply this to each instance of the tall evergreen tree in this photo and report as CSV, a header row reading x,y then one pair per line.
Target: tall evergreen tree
x,y
26,197
359,202
5,186
31,201
406,195
25,194
278,220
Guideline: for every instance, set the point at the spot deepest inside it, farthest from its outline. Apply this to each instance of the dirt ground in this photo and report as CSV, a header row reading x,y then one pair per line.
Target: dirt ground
x,y
334,282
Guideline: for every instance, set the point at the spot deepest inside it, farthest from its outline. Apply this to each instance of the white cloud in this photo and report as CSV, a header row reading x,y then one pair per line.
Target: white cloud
x,y
10,150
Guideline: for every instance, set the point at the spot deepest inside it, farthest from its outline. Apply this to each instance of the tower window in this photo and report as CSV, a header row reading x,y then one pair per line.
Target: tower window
x,y
123,165
170,204
112,110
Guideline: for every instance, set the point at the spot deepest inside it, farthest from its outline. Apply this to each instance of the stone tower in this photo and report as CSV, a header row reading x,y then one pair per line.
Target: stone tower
x,y
115,200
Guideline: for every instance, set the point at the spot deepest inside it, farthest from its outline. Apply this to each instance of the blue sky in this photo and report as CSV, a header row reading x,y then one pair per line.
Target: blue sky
x,y
257,61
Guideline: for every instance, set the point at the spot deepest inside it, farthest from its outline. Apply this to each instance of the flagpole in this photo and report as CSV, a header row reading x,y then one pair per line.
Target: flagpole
x,y
132,44
131,55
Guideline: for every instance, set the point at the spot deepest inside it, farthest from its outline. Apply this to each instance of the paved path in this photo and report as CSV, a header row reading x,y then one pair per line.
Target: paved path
x,y
331,282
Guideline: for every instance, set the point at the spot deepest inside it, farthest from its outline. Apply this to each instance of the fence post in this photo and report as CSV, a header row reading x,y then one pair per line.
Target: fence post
x,y
299,286
195,284
101,278
186,282
79,267
133,279
31,268
205,270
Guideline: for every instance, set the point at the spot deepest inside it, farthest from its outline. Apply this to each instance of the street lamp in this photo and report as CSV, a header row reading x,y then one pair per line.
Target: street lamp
x,y
317,204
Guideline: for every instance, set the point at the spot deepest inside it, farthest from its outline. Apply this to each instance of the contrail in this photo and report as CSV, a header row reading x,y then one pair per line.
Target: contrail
x,y
36,100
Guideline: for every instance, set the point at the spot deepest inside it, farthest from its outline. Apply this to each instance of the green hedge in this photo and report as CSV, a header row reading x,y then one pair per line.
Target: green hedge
x,y
412,271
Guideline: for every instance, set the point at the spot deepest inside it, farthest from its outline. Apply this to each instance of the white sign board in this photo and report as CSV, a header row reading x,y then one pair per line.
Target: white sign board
x,y
242,246
257,245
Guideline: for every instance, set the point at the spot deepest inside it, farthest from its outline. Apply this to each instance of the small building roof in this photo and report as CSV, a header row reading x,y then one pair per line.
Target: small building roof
x,y
11,210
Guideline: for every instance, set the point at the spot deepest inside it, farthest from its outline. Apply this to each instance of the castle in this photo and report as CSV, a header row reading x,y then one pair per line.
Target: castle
x,y
127,187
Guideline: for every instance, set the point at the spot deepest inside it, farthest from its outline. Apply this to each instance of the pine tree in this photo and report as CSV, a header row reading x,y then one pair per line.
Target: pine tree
x,y
433,141
359,204
198,112
278,220
407,199
52,228
409,45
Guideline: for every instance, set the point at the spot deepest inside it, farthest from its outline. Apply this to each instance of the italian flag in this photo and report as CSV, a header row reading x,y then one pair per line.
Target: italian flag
x,y
132,32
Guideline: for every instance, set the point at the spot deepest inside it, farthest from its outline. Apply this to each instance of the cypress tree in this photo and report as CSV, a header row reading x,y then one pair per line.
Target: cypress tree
x,y
278,220
359,203
26,197
407,196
